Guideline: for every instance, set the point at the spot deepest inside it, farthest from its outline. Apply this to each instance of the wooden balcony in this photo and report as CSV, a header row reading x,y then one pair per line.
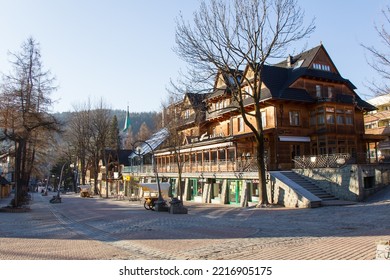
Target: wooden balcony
x,y
247,165
384,130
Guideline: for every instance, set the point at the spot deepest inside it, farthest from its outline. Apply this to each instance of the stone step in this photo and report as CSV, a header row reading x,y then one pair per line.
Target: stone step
x,y
311,187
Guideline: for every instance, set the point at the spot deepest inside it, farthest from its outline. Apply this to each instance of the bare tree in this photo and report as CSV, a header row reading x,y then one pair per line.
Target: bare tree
x,y
181,116
174,142
380,56
78,135
144,132
101,121
87,132
25,101
228,36
129,138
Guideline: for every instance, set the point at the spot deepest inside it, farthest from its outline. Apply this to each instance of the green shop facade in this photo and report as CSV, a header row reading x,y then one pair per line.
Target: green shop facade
x,y
203,189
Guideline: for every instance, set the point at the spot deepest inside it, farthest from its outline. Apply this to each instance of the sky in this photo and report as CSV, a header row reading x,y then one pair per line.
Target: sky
x,y
120,51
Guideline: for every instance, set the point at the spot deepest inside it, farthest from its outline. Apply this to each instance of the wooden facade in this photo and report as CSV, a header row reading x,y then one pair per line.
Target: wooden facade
x,y
307,108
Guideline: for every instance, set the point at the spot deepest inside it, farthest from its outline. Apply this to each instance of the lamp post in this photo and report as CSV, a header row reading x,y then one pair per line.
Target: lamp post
x,y
57,199
106,159
160,199
59,183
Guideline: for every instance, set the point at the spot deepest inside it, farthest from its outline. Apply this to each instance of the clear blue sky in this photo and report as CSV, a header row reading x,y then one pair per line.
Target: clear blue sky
x,y
121,50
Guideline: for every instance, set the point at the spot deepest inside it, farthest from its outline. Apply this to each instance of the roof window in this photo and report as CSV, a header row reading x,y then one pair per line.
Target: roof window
x,y
323,67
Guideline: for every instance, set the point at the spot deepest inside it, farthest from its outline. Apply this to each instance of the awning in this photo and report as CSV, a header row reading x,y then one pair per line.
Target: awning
x,y
294,139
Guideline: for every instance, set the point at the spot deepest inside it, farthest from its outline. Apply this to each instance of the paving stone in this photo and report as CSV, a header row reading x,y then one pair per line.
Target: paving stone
x,y
96,228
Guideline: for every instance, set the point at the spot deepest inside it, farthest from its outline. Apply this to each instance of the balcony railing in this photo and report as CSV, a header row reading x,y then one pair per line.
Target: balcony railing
x,y
245,165
323,161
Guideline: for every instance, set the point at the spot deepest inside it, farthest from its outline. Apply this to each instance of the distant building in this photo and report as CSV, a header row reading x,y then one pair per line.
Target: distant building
x,y
377,122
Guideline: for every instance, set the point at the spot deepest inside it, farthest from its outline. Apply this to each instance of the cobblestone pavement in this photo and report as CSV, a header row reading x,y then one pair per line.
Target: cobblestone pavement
x,y
96,228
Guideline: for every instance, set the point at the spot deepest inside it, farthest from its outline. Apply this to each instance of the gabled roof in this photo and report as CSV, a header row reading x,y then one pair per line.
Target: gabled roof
x,y
380,100
152,143
306,59
279,77
383,115
229,78
196,99
123,156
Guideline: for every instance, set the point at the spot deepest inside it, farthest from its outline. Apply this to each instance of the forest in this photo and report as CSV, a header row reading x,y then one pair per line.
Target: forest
x,y
136,119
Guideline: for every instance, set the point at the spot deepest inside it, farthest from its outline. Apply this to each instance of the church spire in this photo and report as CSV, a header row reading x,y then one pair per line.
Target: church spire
x,y
127,120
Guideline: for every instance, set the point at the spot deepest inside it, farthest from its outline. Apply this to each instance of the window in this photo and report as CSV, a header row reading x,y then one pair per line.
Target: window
x,y
264,119
330,109
322,67
249,90
329,118
340,119
330,115
187,114
330,92
318,91
294,118
313,118
349,120
320,119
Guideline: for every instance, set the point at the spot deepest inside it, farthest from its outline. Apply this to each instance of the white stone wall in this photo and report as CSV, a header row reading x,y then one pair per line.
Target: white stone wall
x,y
350,182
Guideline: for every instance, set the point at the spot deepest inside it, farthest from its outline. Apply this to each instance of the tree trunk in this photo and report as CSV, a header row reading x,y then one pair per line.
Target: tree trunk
x,y
263,195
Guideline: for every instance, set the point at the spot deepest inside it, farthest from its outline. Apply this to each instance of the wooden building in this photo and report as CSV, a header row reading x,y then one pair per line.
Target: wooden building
x,y
307,107
311,117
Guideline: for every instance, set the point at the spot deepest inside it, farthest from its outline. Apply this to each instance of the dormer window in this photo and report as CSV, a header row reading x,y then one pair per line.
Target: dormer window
x,y
323,67
187,114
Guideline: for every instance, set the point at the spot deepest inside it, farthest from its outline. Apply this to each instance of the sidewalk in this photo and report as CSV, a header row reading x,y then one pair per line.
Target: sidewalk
x,y
99,228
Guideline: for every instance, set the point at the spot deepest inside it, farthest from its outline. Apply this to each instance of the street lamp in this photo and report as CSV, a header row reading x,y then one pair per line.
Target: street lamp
x,y
160,201
59,183
57,199
106,159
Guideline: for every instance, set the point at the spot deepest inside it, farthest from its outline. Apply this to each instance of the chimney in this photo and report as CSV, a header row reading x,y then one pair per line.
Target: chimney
x,y
289,61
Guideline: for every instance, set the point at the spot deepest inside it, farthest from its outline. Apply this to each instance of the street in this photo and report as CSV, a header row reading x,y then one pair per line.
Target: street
x,y
106,229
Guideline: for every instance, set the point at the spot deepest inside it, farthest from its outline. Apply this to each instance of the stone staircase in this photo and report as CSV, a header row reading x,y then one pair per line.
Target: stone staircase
x,y
325,197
